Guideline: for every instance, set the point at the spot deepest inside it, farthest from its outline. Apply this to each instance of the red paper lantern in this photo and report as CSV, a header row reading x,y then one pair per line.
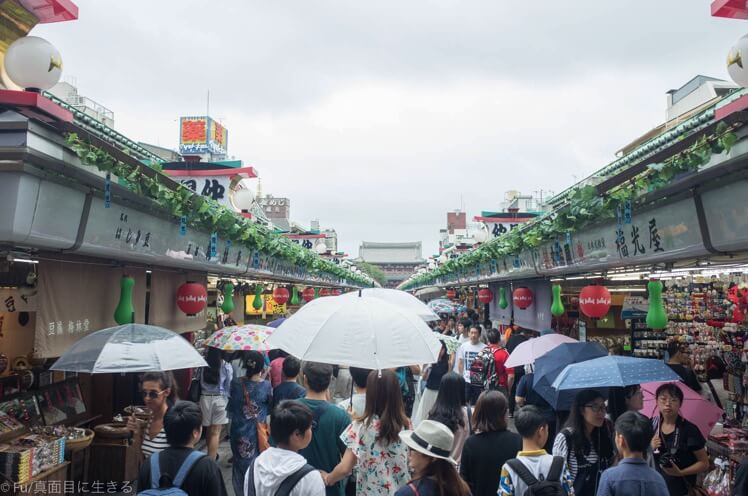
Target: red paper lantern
x,y
594,301
281,295
485,295
337,292
324,292
451,294
522,298
308,294
192,298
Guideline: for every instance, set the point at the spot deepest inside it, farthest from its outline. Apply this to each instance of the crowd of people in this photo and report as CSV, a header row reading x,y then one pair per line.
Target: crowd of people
x,y
431,429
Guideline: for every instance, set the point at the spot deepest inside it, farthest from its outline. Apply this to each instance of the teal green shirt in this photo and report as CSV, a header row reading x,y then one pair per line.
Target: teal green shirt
x,y
326,449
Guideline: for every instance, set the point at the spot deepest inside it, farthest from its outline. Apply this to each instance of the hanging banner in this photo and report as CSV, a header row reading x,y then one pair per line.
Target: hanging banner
x,y
18,300
727,216
537,316
163,310
501,315
76,299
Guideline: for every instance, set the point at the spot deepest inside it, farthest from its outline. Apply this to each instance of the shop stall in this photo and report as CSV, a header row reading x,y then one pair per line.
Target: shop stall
x,y
92,236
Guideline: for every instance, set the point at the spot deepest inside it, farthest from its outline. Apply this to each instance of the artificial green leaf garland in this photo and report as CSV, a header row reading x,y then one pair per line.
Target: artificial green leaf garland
x,y
206,214
585,207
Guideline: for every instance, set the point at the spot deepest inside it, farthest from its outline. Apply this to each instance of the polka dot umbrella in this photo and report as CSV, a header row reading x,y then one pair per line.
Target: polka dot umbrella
x,y
613,371
241,338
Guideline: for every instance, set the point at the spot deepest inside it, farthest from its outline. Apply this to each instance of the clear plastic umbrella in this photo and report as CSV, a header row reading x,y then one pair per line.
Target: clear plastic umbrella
x,y
396,297
130,348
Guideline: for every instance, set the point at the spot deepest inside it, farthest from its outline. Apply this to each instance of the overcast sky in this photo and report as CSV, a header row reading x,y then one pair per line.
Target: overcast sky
x,y
378,117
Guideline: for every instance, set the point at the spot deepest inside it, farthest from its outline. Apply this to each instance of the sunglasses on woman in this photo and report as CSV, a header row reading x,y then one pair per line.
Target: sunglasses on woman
x,y
149,393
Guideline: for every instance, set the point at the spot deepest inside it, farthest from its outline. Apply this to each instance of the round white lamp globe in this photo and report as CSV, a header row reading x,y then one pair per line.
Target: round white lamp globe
x,y
737,62
242,199
480,236
321,248
33,62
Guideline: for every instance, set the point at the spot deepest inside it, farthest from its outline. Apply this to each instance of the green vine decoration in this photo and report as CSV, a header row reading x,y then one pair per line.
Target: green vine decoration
x,y
586,207
205,214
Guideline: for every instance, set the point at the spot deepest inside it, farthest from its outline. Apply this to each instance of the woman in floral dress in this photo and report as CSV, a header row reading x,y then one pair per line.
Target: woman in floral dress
x,y
250,400
373,443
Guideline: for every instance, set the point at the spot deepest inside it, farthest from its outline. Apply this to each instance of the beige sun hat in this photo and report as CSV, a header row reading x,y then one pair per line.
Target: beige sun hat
x,y
432,439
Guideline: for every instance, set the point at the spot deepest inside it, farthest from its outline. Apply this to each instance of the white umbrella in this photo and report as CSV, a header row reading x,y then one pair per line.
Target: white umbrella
x,y
526,352
396,297
130,348
358,332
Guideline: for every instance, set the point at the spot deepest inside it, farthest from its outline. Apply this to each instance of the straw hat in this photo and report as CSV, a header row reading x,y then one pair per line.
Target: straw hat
x,y
432,439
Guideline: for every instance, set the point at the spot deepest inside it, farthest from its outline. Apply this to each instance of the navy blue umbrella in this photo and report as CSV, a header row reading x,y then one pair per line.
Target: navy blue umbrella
x,y
276,322
550,365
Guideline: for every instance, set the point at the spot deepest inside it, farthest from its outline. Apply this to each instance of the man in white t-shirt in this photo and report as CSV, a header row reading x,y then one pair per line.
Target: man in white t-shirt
x,y
466,353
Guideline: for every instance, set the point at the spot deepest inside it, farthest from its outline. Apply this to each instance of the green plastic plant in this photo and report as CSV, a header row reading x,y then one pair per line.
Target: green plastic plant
x,y
257,301
125,311
557,308
228,298
656,315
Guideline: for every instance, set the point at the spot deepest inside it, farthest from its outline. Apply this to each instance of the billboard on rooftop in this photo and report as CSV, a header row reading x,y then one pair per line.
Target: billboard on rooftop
x,y
201,134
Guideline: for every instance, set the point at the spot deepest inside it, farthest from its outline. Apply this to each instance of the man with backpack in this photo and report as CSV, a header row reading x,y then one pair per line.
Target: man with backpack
x,y
488,371
534,472
180,470
281,471
466,353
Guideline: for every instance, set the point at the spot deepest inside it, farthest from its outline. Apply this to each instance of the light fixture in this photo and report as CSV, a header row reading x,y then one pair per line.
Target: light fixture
x,y
737,62
33,63
24,260
321,248
480,236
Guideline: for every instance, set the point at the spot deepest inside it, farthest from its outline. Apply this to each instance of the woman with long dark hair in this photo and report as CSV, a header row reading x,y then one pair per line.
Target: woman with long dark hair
x,y
452,410
433,377
678,445
586,442
373,442
160,393
624,399
487,450
215,384
249,405
434,472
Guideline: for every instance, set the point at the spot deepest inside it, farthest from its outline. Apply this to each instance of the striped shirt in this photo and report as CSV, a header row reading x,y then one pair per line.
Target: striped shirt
x,y
561,449
151,445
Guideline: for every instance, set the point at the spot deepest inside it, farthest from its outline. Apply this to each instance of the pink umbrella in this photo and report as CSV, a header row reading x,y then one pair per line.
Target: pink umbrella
x,y
526,353
697,410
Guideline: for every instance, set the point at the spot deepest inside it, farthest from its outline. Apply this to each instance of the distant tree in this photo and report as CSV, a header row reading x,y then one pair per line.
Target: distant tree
x,y
372,271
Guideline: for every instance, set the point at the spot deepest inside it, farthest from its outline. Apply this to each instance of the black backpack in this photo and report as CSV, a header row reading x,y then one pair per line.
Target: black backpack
x,y
550,486
288,484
